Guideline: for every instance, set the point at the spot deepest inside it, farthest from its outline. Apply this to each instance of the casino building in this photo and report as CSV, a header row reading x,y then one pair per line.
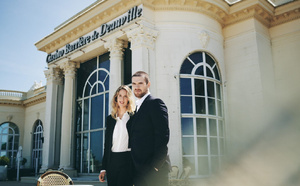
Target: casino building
x,y
224,68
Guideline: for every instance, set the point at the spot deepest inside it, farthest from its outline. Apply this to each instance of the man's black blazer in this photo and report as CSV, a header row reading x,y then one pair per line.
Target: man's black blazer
x,y
149,135
110,126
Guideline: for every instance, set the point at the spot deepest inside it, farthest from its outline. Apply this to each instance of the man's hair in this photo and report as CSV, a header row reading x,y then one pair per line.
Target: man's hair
x,y
142,74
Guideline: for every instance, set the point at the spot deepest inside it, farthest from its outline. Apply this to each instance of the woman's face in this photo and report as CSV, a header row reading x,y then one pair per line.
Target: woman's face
x,y
122,98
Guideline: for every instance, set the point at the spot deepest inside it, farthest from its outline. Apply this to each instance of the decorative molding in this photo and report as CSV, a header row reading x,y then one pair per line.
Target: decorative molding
x,y
218,10
142,36
69,68
204,38
115,47
54,74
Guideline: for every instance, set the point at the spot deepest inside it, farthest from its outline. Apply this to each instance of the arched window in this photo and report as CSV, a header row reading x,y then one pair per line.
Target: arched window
x,y
92,109
37,147
202,120
9,140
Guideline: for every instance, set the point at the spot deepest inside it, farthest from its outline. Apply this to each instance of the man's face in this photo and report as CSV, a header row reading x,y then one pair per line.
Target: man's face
x,y
139,86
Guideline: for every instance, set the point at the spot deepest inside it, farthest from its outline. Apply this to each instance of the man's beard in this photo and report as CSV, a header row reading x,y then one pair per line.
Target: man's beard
x,y
140,94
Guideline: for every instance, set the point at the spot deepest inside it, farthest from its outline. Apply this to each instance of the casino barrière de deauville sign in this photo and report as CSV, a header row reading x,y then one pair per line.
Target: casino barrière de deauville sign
x,y
127,17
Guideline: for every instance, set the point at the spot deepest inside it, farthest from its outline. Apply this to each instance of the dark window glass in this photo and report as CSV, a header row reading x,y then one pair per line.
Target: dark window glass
x,y
216,73
185,86
220,108
96,151
187,126
86,115
83,73
186,67
199,71
221,129
199,87
210,89
209,60
211,106
96,112
200,105
196,57
218,91
92,79
209,73
127,65
186,104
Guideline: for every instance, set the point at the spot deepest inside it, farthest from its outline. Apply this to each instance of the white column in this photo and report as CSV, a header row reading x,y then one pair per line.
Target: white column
x,y
52,120
67,129
116,48
142,41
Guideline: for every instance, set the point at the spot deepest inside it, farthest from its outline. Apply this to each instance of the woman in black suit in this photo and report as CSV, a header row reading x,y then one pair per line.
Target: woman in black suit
x,y
117,162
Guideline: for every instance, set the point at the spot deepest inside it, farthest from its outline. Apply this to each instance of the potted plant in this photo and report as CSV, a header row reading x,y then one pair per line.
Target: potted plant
x,y
4,161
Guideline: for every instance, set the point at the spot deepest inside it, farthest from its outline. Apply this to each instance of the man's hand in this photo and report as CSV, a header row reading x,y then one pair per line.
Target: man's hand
x,y
102,176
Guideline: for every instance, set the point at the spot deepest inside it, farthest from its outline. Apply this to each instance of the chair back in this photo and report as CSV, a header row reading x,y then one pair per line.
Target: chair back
x,y
174,172
54,178
186,172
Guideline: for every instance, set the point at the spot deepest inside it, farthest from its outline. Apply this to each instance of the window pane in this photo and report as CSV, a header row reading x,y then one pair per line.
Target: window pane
x,y
211,106
221,146
216,73
215,165
202,146
221,132
209,73
212,127
106,83
196,57
97,112
201,126
209,60
186,67
187,126
210,89
199,71
186,104
185,86
218,91
96,151
188,146
199,87
85,152
87,90
219,108
200,105
213,146
203,166
86,114
93,78
100,88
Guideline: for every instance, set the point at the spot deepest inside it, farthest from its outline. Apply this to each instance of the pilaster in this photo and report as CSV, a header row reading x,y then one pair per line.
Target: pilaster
x,y
52,118
142,41
67,129
116,49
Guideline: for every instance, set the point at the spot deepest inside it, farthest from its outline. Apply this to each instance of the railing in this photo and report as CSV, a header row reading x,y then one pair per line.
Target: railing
x,y
11,94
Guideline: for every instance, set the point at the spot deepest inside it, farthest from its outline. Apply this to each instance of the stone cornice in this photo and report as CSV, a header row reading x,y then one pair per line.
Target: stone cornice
x,y
217,9
40,98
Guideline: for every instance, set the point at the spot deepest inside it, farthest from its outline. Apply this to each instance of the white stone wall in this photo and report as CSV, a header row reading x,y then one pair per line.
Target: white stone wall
x,y
178,36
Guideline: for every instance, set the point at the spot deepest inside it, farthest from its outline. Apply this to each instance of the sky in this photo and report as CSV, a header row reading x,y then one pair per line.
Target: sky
x,y
22,24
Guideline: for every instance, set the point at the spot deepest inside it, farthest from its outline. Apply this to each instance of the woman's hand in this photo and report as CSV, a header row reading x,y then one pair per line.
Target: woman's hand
x,y
102,176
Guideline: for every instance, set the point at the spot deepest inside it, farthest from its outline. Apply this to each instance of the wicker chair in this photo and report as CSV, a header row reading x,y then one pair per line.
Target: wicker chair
x,y
54,177
182,180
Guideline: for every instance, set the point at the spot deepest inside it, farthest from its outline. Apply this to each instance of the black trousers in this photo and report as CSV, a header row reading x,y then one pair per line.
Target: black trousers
x,y
120,169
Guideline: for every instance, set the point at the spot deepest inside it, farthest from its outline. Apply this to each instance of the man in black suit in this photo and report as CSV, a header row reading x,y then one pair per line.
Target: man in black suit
x,y
149,135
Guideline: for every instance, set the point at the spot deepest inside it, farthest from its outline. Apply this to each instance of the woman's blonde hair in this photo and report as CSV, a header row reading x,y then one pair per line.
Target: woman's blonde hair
x,y
114,101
